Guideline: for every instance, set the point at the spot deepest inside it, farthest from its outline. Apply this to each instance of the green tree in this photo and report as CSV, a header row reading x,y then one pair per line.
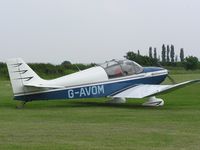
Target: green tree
x,y
138,52
191,63
182,55
168,51
155,54
150,52
66,62
172,53
163,53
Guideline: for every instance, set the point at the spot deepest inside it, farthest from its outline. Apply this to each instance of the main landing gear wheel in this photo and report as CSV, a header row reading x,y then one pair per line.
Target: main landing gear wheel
x,y
154,102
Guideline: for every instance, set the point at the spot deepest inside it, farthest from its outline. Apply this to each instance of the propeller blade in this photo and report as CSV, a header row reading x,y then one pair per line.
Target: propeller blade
x,y
168,76
171,79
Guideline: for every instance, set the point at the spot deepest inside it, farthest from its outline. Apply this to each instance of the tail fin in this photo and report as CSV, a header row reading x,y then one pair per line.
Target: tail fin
x,y
20,73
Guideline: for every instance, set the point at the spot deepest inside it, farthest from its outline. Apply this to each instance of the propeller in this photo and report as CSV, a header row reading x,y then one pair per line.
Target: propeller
x,y
168,76
171,79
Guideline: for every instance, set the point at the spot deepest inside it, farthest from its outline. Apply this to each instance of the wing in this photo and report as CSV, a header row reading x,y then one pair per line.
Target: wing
x,y
146,90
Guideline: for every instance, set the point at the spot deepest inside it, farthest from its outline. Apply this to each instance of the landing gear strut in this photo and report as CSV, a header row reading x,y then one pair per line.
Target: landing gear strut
x,y
21,105
153,101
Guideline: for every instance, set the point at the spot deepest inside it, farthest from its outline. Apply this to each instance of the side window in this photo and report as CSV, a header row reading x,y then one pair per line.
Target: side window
x,y
114,71
137,68
128,68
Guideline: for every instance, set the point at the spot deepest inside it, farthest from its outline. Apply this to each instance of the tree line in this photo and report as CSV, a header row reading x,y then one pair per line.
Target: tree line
x,y
167,54
47,70
168,57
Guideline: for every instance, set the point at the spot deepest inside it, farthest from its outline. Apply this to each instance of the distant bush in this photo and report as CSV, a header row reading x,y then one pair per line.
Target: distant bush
x,y
3,71
191,63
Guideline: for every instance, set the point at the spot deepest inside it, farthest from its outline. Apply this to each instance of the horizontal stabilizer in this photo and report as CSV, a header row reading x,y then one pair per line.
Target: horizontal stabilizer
x,y
43,86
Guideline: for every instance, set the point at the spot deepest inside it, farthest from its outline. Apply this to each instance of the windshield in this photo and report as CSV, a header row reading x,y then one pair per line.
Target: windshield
x,y
118,68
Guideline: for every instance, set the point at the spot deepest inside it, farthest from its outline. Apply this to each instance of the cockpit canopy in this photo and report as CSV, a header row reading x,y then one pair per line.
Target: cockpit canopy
x,y
118,68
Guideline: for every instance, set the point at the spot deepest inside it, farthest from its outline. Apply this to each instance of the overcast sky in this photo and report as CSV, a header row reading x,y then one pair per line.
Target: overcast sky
x,y
95,30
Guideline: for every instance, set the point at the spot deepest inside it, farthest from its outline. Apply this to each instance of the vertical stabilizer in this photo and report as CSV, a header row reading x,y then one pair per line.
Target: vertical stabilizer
x,y
20,73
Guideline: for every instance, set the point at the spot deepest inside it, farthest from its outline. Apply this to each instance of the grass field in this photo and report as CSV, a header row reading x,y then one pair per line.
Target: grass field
x,y
93,124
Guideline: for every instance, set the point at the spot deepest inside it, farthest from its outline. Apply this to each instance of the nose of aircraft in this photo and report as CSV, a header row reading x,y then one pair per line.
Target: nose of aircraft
x,y
164,70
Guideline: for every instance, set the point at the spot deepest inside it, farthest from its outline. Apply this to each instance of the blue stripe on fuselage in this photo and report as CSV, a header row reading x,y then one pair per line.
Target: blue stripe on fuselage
x,y
92,91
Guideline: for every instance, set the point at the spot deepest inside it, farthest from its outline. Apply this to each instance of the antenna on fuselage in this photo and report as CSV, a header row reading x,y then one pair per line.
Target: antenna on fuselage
x,y
77,67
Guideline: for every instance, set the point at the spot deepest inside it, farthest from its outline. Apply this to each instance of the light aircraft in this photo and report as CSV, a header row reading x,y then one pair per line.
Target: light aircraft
x,y
118,79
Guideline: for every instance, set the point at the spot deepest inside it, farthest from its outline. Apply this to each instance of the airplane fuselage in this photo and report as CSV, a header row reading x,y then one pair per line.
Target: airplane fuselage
x,y
101,87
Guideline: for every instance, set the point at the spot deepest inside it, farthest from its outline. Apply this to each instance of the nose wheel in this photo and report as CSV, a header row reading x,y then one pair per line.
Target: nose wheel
x,y
154,102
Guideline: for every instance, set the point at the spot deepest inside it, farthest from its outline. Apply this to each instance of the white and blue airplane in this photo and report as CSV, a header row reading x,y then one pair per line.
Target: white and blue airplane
x,y
118,79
